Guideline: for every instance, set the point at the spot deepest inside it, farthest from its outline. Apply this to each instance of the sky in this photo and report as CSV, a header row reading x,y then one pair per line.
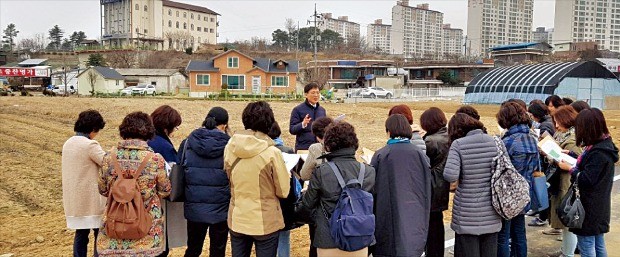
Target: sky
x,y
239,20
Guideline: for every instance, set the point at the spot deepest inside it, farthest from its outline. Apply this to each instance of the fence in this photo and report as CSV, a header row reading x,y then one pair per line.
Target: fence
x,y
407,93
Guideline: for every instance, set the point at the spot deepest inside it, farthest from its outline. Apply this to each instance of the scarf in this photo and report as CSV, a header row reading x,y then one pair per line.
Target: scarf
x,y
278,141
398,140
585,152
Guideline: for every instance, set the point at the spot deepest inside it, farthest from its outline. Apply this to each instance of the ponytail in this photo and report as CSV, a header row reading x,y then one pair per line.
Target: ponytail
x,y
209,123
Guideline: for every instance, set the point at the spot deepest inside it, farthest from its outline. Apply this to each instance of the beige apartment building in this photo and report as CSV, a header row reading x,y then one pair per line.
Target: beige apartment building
x,y
452,41
416,31
588,21
157,24
378,36
492,23
347,29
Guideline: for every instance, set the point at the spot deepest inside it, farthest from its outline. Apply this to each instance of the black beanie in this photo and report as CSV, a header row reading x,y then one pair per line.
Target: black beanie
x,y
216,116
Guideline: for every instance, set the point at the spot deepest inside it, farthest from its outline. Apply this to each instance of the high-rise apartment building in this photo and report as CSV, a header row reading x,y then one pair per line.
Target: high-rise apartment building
x,y
492,23
157,24
416,31
452,41
347,29
540,35
588,21
378,36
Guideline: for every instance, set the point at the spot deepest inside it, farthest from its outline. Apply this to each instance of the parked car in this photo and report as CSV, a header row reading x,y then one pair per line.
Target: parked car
x,y
144,90
127,90
374,92
60,89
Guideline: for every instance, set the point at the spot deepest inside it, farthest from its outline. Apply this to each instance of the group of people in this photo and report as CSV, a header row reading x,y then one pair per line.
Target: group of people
x,y
235,183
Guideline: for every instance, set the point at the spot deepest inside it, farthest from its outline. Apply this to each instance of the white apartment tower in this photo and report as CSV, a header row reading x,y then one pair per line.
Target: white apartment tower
x,y
347,29
416,31
492,23
378,36
588,21
157,24
452,41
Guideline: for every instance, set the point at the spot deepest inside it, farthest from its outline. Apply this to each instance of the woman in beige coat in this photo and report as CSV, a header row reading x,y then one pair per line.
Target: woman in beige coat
x,y
565,137
81,160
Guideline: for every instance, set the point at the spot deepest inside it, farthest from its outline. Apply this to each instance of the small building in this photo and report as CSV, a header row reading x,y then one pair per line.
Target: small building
x,y
520,53
425,75
587,81
59,76
612,64
164,80
241,74
100,80
33,63
351,73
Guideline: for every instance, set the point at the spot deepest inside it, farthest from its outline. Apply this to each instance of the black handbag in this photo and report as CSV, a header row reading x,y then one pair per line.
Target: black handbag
x,y
177,179
571,211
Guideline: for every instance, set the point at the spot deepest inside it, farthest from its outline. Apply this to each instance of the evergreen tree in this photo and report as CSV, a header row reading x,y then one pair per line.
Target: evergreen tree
x,y
55,36
9,35
95,60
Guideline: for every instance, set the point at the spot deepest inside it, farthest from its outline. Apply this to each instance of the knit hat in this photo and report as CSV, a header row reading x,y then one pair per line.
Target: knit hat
x,y
216,116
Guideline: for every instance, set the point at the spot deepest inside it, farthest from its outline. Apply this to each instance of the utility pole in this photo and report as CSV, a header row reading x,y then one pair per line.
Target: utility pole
x,y
297,41
315,38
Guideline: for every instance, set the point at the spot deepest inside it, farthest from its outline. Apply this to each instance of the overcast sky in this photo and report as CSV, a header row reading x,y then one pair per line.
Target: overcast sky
x,y
239,19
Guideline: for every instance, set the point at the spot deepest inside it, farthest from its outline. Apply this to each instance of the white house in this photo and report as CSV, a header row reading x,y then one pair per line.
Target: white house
x,y
100,80
164,80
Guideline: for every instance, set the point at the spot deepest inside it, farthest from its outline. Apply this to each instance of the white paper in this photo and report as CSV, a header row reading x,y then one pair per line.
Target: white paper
x,y
340,117
553,150
367,155
537,131
290,160
168,167
303,157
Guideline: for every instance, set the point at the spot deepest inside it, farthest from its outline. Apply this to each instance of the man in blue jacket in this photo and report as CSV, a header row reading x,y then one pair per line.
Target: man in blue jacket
x,y
303,115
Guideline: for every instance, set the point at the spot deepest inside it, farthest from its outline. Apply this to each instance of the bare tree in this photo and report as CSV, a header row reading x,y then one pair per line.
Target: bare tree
x,y
180,38
291,29
258,44
92,80
320,77
121,59
36,43
156,59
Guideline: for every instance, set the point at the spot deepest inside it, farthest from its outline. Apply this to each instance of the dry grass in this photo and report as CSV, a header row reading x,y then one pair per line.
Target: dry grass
x,y
33,130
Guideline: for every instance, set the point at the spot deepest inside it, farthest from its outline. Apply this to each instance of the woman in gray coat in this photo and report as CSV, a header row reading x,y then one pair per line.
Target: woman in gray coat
x,y
474,220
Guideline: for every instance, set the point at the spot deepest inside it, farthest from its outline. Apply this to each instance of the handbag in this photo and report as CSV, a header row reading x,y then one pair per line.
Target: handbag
x,y
539,185
570,211
177,179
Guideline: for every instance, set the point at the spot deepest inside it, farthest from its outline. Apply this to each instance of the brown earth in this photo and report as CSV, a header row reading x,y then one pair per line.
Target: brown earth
x,y
33,130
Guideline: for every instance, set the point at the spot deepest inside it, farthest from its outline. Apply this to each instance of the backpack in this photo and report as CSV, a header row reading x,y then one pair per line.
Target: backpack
x,y
352,224
510,192
126,217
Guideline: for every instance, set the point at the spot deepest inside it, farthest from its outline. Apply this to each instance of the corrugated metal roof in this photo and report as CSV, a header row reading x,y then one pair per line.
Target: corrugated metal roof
x,y
147,72
108,73
33,62
515,46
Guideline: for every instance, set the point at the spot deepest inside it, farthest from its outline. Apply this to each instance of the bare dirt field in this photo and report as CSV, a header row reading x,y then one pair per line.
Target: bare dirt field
x,y
33,130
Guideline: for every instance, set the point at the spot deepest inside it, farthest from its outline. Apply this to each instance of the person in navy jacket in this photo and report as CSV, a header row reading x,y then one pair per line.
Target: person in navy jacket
x,y
207,189
304,114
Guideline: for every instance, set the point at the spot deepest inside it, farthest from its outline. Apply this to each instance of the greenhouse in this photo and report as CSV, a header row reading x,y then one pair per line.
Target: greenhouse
x,y
587,81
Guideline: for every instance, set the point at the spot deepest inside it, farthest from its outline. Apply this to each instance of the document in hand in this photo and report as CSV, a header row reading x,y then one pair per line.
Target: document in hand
x,y
290,160
553,150
367,155
303,154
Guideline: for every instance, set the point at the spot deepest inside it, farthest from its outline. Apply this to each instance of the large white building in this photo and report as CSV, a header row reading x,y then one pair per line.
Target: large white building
x,y
492,23
452,41
157,24
588,21
378,36
347,29
416,31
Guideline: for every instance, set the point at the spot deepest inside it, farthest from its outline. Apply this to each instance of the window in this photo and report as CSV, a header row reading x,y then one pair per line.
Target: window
x,y
203,79
146,8
192,16
199,40
177,13
211,30
205,18
192,26
198,28
198,16
184,14
170,23
146,31
117,82
184,25
169,12
137,7
279,81
212,19
233,62
234,82
177,24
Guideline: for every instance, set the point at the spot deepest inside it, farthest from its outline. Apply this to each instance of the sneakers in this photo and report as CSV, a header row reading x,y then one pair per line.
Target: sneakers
x,y
556,254
530,213
552,231
536,222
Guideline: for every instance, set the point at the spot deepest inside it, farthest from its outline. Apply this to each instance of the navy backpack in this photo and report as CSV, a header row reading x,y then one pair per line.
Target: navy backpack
x,y
352,224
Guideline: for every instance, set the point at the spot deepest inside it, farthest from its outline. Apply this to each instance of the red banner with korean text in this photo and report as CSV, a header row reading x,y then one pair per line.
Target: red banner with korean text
x,y
24,72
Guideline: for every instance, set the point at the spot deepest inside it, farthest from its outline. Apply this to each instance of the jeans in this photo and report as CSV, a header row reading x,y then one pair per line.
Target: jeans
x,y
592,246
436,235
475,246
265,246
284,244
196,233
312,229
569,243
511,240
80,242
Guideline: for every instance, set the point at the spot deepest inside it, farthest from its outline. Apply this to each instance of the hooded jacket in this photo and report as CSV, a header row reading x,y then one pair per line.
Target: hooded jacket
x,y
402,200
161,144
207,191
596,172
437,148
258,179
304,137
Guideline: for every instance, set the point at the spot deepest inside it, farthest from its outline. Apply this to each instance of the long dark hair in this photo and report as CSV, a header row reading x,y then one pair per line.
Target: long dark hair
x,y
460,124
590,127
